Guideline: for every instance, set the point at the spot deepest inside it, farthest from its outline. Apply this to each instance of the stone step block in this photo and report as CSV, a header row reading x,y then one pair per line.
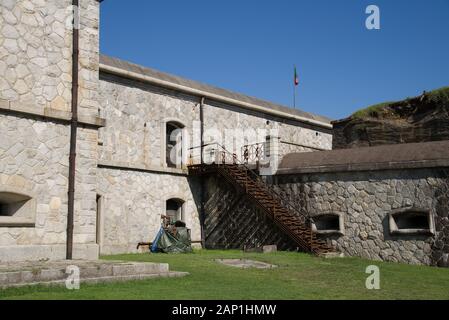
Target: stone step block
x,y
106,279
90,271
139,268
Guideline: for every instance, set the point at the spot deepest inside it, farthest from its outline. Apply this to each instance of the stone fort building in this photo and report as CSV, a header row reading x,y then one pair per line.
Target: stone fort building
x,y
95,150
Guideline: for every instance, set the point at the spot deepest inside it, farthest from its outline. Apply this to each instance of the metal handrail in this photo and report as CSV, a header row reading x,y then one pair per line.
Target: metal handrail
x,y
285,202
255,151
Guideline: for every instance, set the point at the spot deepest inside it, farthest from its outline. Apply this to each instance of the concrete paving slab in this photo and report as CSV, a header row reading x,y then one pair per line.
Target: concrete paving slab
x,y
246,263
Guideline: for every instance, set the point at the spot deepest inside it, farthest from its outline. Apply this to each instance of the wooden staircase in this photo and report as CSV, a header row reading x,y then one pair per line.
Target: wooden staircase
x,y
295,224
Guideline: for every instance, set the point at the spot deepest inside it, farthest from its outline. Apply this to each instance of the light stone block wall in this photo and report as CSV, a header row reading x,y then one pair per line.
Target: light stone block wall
x,y
136,116
132,204
35,64
89,58
38,164
86,186
306,138
226,117
365,200
34,158
36,53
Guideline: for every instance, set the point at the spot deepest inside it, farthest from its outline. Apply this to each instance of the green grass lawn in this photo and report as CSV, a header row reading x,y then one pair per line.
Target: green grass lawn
x,y
299,276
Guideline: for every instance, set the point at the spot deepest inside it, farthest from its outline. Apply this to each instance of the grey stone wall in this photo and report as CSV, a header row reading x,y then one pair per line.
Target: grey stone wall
x,y
89,57
225,117
366,198
35,52
136,116
35,64
36,49
133,203
34,161
37,165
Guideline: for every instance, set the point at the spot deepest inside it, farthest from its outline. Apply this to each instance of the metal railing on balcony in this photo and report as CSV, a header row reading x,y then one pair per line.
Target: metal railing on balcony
x,y
213,152
253,153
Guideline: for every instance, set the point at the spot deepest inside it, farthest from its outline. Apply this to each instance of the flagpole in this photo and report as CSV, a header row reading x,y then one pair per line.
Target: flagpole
x,y
294,96
294,87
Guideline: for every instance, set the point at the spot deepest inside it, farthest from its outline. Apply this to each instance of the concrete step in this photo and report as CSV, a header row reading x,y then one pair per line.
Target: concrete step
x,y
56,272
332,255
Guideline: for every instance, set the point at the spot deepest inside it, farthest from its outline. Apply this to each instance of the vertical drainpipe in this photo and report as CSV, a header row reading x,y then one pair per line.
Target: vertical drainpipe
x,y
73,129
202,128
202,187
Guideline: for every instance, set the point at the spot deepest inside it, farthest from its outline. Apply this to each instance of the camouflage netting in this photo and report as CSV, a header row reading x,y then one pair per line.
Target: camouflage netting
x,y
172,240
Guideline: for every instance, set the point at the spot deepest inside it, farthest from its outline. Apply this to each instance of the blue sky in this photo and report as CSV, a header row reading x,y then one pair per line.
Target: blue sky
x,y
250,46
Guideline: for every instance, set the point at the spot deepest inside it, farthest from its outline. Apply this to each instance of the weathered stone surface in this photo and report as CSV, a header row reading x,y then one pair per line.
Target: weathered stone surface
x,y
366,225
35,54
56,272
137,114
133,203
36,37
246,263
30,160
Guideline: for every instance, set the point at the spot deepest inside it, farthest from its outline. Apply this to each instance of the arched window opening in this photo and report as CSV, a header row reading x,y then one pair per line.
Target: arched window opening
x,y
174,210
173,144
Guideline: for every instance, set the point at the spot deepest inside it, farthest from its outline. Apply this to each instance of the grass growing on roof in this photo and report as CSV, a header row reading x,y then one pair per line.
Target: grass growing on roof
x,y
438,96
371,111
298,276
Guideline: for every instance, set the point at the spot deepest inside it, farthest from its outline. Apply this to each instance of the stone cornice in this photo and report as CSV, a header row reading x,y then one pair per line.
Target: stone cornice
x,y
378,166
50,114
140,167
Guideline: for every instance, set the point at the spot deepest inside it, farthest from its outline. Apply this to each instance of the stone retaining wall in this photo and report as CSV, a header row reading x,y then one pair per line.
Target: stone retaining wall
x,y
365,199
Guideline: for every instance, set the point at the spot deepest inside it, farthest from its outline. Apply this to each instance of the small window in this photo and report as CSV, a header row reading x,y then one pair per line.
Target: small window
x,y
174,210
17,210
12,204
329,223
267,146
173,147
411,221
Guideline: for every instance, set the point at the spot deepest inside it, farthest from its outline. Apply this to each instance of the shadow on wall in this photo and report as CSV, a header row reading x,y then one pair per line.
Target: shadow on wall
x,y
231,220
